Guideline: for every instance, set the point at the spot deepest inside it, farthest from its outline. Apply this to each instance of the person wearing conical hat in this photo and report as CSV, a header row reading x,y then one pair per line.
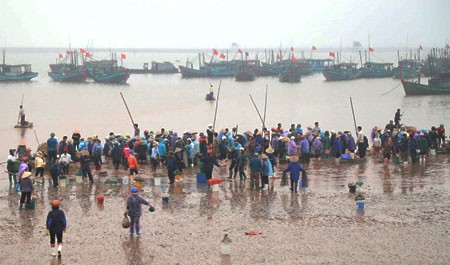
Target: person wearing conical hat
x,y
39,164
56,225
294,168
21,149
76,137
26,188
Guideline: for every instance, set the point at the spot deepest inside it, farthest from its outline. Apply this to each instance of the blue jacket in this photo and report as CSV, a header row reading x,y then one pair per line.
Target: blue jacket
x,y
267,168
162,150
134,205
56,221
52,144
294,169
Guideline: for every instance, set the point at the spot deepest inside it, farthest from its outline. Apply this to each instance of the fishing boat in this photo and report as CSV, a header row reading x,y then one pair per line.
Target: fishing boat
x,y
68,69
318,65
407,69
436,86
376,70
156,68
26,125
244,74
15,73
107,71
291,75
342,71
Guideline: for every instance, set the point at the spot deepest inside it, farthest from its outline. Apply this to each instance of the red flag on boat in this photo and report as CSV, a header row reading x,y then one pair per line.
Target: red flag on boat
x,y
292,48
420,47
371,49
246,54
123,56
448,46
293,59
239,51
215,52
60,55
68,52
82,51
331,54
88,55
222,56
314,48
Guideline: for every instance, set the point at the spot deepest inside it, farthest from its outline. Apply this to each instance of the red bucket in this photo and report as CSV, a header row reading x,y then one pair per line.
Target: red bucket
x,y
100,199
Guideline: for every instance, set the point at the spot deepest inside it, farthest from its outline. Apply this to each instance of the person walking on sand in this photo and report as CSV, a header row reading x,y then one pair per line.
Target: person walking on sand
x,y
56,225
134,210
26,187
294,168
133,164
10,168
255,170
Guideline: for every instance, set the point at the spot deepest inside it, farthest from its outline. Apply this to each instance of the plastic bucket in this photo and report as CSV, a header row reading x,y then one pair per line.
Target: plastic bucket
x,y
215,187
201,178
165,198
79,179
360,204
125,180
79,172
225,249
103,179
63,182
433,152
32,204
157,181
100,199
138,184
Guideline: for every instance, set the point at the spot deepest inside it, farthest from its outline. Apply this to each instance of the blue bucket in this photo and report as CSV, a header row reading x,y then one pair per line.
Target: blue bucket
x,y
360,204
201,178
165,199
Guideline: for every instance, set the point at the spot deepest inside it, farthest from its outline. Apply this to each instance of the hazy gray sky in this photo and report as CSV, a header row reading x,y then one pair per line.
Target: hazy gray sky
x,y
218,23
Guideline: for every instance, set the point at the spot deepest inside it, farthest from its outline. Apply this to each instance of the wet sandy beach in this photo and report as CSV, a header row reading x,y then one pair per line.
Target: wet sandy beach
x,y
405,220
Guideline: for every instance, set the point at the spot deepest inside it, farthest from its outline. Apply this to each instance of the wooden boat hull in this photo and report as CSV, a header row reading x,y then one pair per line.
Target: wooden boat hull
x,y
119,77
290,76
376,74
25,126
190,72
69,77
412,88
331,75
18,78
245,76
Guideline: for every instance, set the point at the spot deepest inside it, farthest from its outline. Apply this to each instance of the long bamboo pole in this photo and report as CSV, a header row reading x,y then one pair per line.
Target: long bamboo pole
x,y
257,110
217,104
353,112
126,106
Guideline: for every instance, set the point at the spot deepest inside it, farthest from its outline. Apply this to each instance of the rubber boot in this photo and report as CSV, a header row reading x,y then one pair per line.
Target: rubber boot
x,y
131,230
21,206
231,174
138,231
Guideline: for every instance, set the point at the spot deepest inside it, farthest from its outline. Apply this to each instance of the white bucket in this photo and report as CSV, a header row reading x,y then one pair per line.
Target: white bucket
x,y
79,179
225,249
125,180
63,183
103,179
215,187
433,152
103,159
157,181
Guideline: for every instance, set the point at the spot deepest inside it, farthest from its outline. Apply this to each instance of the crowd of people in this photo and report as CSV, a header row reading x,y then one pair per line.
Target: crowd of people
x,y
167,148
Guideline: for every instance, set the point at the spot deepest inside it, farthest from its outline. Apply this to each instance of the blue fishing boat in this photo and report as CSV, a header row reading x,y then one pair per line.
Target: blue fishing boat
x,y
376,70
342,71
244,74
291,75
15,73
407,69
107,71
318,65
436,86
68,70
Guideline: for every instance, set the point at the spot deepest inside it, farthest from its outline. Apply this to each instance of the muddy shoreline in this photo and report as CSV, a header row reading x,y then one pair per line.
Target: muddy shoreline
x,y
405,220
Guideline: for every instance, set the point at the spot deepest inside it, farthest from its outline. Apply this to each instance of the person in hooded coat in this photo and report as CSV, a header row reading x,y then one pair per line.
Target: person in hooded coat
x,y
209,161
134,210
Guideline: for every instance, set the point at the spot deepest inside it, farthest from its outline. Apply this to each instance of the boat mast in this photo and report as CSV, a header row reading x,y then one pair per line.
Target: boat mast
x,y
369,46
3,56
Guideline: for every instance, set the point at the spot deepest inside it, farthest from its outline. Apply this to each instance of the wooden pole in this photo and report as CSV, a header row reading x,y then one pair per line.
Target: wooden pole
x,y
37,140
353,112
265,108
126,106
257,110
217,104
